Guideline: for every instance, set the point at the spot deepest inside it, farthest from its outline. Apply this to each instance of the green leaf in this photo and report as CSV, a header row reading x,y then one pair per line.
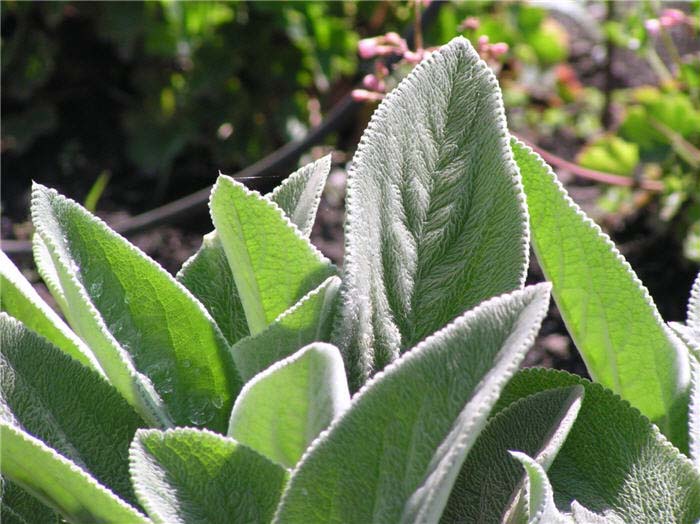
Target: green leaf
x,y
154,340
488,480
273,265
298,196
434,200
610,154
69,407
59,482
412,425
188,475
208,277
540,501
284,408
693,321
694,413
19,299
19,507
614,461
623,340
300,193
47,270
309,320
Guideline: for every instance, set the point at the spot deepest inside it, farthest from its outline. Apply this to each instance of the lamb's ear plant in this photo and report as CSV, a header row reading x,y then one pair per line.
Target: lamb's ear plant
x,y
224,394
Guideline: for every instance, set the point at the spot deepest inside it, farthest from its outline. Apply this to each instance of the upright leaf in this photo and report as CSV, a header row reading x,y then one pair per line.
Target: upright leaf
x,y
184,476
412,424
614,461
66,405
489,478
19,299
694,308
694,413
59,482
607,310
540,501
208,276
154,340
298,196
45,267
273,265
309,320
300,193
436,221
284,408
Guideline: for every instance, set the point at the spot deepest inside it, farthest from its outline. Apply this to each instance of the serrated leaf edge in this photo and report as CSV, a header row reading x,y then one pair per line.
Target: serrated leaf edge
x,y
273,205
466,433
323,163
16,278
694,305
389,369
73,467
141,433
149,399
660,438
50,279
405,87
325,347
694,407
683,364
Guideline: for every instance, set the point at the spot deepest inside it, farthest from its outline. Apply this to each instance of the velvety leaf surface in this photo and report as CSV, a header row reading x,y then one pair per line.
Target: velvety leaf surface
x,y
154,340
47,270
694,413
489,478
284,408
412,422
69,407
19,507
609,313
309,320
541,508
433,202
694,309
300,193
59,482
19,299
207,274
193,476
273,265
614,461
540,500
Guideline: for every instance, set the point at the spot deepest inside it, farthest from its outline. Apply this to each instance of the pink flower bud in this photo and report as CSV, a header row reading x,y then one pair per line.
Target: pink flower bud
x,y
672,17
362,95
471,23
367,47
413,57
380,69
394,39
373,83
498,49
483,40
653,26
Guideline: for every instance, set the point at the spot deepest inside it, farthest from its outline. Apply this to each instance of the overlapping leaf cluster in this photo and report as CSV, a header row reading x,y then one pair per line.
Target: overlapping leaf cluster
x,y
224,394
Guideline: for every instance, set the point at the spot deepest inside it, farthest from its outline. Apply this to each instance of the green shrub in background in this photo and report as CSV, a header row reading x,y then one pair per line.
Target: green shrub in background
x,y
89,86
224,395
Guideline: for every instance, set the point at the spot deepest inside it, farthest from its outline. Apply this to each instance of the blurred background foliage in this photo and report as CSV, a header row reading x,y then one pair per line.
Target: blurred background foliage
x,y
152,99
